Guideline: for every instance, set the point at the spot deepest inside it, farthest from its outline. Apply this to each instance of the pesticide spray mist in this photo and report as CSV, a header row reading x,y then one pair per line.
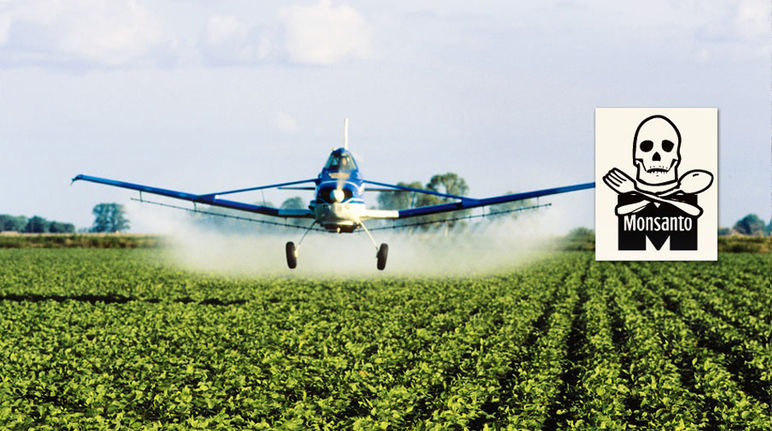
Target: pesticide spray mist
x,y
483,246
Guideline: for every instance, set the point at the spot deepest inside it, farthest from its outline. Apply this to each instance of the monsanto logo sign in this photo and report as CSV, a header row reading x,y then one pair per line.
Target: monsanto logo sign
x,y
656,191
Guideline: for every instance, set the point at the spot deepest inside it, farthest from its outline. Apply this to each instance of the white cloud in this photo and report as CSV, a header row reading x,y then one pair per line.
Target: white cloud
x,y
325,34
126,33
5,26
320,34
78,31
753,18
223,29
227,40
725,30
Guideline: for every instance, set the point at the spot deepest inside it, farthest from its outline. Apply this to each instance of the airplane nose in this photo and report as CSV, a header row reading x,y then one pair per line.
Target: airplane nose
x,y
337,195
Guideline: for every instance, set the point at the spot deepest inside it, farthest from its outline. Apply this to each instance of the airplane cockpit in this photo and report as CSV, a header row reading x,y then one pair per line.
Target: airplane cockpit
x,y
340,161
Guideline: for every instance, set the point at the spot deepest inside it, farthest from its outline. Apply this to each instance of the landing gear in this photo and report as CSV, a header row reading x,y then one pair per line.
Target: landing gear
x,y
292,251
383,253
292,255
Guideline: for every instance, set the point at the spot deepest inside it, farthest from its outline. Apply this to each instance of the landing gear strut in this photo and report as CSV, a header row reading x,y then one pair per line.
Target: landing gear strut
x,y
382,251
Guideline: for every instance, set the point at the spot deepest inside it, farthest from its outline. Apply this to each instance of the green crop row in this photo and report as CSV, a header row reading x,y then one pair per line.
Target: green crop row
x,y
108,339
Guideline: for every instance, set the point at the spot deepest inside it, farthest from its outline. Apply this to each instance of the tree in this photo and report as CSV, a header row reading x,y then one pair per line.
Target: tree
x,y
510,206
109,217
59,227
581,233
36,224
448,183
12,223
399,200
580,238
295,203
750,225
451,184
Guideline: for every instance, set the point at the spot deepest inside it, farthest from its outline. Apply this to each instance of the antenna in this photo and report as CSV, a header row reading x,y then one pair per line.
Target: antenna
x,y
345,133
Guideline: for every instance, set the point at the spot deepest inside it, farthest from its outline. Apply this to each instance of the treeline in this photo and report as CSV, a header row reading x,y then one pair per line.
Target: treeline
x,y
751,225
34,224
448,183
233,221
82,240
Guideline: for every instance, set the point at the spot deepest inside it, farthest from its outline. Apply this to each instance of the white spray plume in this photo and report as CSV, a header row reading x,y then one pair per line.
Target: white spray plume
x,y
485,246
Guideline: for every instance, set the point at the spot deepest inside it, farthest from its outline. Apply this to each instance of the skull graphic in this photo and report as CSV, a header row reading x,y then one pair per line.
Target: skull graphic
x,y
657,151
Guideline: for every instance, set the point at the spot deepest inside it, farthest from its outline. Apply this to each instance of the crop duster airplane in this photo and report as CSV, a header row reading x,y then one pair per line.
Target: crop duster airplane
x,y
338,205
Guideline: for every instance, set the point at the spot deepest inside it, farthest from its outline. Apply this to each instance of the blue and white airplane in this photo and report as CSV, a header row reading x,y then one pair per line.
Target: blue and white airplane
x,y
338,205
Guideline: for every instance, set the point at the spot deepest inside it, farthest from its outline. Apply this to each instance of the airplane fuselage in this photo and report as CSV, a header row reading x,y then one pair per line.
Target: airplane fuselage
x,y
338,204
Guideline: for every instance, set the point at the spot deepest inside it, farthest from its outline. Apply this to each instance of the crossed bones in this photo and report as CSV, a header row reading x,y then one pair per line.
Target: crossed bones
x,y
621,183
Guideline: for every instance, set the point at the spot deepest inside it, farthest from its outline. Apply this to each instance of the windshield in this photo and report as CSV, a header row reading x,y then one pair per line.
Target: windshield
x,y
343,162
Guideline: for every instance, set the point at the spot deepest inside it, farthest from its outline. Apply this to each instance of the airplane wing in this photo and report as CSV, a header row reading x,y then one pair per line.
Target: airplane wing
x,y
463,202
210,198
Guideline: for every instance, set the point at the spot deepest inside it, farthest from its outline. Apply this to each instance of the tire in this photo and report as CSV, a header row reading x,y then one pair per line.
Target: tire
x,y
292,256
383,253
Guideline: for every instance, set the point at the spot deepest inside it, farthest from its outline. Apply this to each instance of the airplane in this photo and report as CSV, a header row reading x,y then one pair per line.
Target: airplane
x,y
339,205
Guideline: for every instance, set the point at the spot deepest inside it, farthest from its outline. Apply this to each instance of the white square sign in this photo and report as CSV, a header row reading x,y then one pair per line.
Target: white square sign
x,y
656,191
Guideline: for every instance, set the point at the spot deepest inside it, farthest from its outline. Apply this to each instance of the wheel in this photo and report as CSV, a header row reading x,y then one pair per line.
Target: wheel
x,y
292,255
383,253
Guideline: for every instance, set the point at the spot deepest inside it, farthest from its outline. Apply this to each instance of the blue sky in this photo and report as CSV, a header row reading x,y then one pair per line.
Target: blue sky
x,y
206,96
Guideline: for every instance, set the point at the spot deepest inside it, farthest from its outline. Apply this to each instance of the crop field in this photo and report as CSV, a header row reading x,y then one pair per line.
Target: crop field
x,y
117,338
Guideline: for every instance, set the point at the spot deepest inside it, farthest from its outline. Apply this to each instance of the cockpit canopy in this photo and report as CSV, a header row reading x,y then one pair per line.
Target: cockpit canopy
x,y
340,161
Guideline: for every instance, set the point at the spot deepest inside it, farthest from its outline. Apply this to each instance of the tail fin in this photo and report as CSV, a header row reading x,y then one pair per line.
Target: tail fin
x,y
345,133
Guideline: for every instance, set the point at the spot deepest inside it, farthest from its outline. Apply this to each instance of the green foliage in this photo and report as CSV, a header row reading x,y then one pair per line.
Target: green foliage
x,y
579,239
9,223
294,203
750,225
399,200
109,218
81,240
113,339
59,227
36,224
448,183
744,244
511,206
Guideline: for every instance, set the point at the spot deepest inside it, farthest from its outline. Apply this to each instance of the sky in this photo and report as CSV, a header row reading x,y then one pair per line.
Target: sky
x,y
209,96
